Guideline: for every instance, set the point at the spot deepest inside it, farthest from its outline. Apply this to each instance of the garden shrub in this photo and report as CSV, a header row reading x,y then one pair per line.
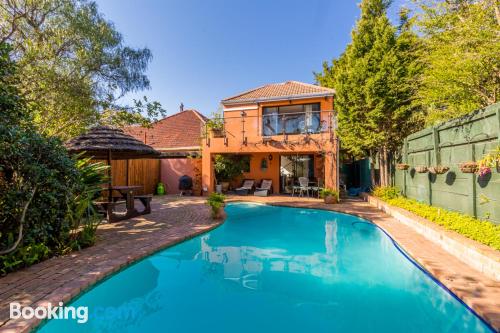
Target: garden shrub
x,y
45,195
479,230
326,192
389,192
215,201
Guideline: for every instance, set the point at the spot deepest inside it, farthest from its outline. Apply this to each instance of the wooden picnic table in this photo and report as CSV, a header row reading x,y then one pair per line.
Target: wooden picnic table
x,y
127,193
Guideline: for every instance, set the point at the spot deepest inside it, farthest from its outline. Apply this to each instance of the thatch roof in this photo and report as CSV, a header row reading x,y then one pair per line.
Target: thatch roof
x,y
99,140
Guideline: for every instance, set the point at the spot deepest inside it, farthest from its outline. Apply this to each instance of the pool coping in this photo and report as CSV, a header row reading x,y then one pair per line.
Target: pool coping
x,y
436,272
477,255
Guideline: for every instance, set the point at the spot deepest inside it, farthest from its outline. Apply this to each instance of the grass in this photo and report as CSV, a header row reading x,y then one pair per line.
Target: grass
x,y
483,231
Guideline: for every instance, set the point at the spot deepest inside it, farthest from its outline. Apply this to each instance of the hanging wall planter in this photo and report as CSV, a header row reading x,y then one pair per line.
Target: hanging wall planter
x,y
438,169
468,167
263,164
402,166
421,169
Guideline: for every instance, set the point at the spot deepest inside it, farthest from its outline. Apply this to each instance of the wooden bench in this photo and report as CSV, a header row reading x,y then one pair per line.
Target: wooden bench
x,y
107,209
146,202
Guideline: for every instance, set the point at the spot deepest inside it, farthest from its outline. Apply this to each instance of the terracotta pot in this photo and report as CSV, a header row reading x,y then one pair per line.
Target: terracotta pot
x,y
221,214
330,199
225,186
421,169
217,133
402,166
468,167
439,169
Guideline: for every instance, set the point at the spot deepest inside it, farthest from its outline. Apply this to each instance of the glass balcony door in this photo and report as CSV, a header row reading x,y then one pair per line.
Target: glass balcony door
x,y
291,119
292,167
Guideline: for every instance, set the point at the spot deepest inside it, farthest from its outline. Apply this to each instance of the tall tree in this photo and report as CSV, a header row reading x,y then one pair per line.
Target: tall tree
x,y
462,42
73,66
375,83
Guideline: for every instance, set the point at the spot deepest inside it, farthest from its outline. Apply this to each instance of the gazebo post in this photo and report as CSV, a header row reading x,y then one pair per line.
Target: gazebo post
x,y
110,179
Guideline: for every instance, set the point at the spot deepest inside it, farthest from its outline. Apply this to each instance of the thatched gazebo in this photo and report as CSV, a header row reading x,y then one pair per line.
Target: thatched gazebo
x,y
107,143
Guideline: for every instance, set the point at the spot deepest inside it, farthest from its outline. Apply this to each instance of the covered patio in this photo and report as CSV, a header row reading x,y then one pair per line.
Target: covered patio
x,y
284,170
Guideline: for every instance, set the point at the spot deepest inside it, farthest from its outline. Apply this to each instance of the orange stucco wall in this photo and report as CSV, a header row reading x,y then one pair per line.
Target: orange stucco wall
x,y
252,126
172,169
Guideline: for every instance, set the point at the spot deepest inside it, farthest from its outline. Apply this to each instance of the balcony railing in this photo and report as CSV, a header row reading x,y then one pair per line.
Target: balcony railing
x,y
293,123
275,124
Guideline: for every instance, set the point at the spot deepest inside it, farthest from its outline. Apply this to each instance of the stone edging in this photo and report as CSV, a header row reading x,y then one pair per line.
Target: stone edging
x,y
477,255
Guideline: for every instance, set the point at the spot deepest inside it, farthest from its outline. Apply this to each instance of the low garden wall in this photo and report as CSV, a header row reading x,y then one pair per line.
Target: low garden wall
x,y
476,255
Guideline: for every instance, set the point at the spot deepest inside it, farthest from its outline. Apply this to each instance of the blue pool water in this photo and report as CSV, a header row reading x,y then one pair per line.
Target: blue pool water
x,y
275,269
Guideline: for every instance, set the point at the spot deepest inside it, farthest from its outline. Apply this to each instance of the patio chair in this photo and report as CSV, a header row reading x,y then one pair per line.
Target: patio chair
x,y
303,186
265,187
317,189
246,187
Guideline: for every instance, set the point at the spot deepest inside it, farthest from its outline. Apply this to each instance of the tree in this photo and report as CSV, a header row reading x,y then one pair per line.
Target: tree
x,y
45,195
73,66
375,82
462,54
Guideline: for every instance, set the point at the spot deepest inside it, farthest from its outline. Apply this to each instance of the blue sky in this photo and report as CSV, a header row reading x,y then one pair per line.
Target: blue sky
x,y
205,50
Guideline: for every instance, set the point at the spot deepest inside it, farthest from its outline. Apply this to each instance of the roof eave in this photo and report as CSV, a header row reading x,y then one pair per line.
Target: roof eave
x,y
276,98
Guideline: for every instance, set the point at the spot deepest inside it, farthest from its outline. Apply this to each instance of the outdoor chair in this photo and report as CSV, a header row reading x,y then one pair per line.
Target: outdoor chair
x,y
303,186
265,187
246,187
317,189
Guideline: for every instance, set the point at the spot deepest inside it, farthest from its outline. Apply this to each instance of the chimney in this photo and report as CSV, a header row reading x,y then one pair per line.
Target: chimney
x,y
181,107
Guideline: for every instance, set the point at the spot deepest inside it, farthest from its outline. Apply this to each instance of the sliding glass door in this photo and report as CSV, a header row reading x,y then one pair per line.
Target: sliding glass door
x,y
292,167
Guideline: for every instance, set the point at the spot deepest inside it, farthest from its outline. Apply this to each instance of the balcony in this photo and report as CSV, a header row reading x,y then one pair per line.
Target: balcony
x,y
263,128
274,124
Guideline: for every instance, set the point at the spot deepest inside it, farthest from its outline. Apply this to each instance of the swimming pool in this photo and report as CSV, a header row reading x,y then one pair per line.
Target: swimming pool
x,y
275,269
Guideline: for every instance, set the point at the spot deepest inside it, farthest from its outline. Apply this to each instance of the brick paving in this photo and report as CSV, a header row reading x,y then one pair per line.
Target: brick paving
x,y
175,219
172,220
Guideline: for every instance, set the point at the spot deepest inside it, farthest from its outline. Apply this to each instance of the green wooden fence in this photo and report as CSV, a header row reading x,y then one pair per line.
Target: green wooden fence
x,y
463,139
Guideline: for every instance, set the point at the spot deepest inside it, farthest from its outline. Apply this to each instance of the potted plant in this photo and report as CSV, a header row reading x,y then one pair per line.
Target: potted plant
x,y
229,167
216,124
330,196
421,168
438,169
402,166
216,203
489,162
468,167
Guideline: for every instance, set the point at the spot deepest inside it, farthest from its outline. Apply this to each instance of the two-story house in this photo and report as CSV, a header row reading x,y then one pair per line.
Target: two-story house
x,y
288,129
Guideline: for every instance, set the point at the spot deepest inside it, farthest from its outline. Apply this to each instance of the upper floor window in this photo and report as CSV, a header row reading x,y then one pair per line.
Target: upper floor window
x,y
291,119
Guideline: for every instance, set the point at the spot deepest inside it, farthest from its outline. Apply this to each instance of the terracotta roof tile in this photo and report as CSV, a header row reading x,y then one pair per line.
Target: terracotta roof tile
x,y
180,130
291,89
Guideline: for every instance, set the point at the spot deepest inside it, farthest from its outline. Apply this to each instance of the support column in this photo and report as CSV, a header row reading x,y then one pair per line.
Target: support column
x,y
207,172
331,168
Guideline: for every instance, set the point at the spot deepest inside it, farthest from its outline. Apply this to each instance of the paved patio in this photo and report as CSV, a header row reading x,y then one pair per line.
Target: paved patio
x,y
175,219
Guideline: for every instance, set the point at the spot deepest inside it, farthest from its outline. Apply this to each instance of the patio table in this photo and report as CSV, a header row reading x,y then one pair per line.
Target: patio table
x,y
128,194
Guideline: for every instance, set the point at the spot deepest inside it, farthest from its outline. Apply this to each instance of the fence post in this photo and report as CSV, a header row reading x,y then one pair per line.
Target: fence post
x,y
474,189
437,153
429,177
498,118
405,160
